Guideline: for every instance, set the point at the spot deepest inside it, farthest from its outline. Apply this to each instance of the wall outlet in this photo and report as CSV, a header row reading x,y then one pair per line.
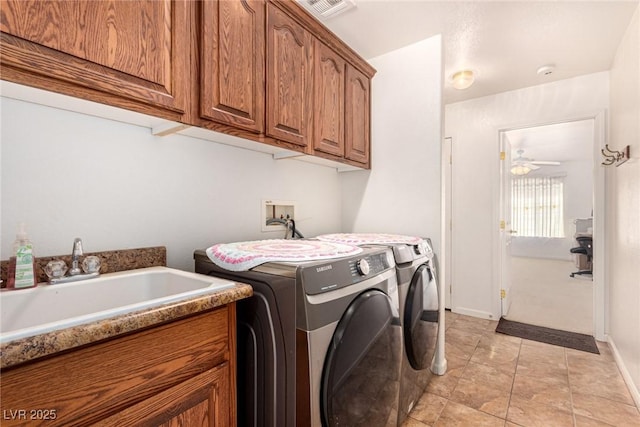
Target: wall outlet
x,y
276,209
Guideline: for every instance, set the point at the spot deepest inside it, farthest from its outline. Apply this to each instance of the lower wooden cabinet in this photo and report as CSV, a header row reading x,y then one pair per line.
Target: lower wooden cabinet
x,y
202,401
177,374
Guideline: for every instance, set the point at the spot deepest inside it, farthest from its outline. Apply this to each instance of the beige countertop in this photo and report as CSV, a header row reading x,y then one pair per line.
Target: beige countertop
x,y
26,349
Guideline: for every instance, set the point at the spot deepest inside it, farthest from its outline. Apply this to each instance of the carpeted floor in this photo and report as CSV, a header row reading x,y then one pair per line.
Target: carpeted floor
x,y
547,335
543,294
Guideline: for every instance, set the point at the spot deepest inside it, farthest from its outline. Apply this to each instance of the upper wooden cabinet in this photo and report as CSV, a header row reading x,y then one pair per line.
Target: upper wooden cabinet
x,y
342,108
357,117
262,70
289,79
126,53
232,63
329,120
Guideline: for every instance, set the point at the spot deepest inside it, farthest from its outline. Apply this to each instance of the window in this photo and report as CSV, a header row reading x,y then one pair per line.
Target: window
x,y
537,206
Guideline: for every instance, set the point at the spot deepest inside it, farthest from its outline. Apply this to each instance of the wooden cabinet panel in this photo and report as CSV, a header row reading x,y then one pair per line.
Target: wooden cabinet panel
x,y
133,50
202,401
232,63
328,124
357,117
289,79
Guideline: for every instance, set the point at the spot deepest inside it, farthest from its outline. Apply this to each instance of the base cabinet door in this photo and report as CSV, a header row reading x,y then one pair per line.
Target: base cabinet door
x,y
202,401
232,63
127,53
357,117
289,79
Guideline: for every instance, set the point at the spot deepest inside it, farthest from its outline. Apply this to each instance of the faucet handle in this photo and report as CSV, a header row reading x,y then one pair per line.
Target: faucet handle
x,y
76,253
77,248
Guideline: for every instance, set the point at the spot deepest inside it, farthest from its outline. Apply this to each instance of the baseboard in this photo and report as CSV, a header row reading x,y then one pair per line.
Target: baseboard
x,y
473,313
633,389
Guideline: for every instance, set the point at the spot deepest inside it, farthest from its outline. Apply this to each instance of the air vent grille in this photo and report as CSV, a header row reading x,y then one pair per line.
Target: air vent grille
x,y
327,8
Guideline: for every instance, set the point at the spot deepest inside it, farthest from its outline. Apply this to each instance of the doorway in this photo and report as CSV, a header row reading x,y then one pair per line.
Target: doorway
x,y
547,196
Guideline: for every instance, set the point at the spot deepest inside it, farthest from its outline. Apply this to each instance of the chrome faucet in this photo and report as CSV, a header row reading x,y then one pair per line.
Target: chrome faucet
x,y
76,253
75,272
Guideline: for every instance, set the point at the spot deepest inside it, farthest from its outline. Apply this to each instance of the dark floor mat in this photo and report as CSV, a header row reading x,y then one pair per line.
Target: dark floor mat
x,y
573,340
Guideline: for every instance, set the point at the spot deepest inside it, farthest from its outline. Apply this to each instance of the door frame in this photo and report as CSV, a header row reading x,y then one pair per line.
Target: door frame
x,y
505,225
445,270
599,216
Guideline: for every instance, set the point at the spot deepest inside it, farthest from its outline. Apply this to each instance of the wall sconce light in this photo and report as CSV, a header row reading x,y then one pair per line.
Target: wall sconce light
x,y
614,157
462,79
520,170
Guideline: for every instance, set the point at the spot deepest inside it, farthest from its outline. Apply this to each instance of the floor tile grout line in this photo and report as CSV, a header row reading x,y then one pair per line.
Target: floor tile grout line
x,y
573,410
513,382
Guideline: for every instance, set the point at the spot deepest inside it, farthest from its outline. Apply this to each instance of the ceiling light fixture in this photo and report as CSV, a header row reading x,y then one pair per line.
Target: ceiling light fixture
x,y
520,170
546,70
462,79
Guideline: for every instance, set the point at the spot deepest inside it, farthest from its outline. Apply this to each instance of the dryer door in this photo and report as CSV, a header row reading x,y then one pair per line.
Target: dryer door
x,y
360,379
421,318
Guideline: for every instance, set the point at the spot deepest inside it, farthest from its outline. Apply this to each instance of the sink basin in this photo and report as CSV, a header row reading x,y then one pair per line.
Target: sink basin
x,y
46,308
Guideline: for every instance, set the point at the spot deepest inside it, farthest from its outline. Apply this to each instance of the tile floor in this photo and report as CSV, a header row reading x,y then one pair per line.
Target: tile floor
x,y
499,380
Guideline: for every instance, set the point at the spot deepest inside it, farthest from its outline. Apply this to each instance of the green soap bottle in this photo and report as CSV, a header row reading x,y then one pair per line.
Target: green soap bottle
x,y
22,265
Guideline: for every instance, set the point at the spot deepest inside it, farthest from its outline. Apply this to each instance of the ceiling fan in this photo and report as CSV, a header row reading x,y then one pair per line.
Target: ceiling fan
x,y
523,165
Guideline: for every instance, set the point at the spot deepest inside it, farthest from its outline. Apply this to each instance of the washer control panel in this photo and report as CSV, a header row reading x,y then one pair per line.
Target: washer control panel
x,y
369,266
338,273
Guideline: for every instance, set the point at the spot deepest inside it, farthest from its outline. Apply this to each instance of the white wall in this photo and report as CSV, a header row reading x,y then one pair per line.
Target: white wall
x,y
401,193
623,207
117,186
474,126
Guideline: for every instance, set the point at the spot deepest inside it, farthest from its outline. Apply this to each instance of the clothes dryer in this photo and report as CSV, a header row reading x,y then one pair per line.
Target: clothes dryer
x,y
421,310
320,342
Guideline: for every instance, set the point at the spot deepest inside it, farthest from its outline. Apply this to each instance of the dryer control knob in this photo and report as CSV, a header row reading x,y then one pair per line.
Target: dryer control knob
x,y
363,267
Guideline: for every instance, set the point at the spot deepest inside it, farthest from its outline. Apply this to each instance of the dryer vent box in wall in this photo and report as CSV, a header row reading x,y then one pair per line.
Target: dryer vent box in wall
x,y
276,209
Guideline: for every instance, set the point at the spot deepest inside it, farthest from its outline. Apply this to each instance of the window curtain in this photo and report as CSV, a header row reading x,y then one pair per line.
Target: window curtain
x,y
537,206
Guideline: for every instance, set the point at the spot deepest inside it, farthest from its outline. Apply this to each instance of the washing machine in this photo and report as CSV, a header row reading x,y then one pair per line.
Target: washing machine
x,y
320,341
421,310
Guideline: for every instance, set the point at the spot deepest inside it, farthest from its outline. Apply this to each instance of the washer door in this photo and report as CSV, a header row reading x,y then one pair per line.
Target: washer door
x,y
421,318
360,380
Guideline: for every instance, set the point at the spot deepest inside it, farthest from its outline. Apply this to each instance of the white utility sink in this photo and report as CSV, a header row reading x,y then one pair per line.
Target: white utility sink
x,y
46,308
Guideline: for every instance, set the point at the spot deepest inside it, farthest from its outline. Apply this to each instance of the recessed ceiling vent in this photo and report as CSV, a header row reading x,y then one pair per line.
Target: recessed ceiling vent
x,y
328,8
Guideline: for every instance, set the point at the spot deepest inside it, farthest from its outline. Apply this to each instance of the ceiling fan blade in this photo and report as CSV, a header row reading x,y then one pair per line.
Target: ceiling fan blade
x,y
531,166
542,162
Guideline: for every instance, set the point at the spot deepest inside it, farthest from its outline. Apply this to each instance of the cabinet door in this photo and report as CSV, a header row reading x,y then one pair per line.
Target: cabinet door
x,y
357,126
202,401
232,58
328,124
289,79
135,50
